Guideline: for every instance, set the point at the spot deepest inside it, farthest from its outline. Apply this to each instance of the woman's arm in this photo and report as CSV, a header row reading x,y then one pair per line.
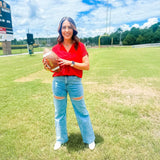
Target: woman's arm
x,y
81,66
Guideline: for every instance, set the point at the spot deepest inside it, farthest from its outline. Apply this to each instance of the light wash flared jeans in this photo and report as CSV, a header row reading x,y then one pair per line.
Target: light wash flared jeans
x,y
73,86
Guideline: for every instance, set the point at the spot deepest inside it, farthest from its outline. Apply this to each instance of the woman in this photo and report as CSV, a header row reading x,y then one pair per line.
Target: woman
x,y
73,60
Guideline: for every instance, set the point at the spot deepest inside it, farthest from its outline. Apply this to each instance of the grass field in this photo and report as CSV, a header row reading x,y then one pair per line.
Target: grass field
x,y
122,93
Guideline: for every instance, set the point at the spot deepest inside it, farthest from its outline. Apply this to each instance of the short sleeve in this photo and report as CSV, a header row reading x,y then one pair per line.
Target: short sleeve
x,y
54,48
83,50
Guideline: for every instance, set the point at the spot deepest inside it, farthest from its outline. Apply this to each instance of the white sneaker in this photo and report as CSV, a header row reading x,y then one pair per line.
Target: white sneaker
x,y
92,145
57,145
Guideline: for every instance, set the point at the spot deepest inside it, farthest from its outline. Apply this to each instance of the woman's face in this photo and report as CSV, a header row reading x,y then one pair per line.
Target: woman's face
x,y
67,31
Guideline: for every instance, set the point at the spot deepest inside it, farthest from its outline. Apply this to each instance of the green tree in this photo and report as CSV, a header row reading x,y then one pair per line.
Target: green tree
x,y
135,31
155,27
157,35
140,40
130,39
149,37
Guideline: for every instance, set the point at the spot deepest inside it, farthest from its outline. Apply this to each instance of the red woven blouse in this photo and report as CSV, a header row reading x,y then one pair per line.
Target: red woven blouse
x,y
71,55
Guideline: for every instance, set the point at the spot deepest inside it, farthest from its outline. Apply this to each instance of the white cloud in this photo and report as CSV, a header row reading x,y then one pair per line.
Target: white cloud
x,y
41,17
129,2
150,22
21,31
137,11
115,3
125,27
136,26
123,12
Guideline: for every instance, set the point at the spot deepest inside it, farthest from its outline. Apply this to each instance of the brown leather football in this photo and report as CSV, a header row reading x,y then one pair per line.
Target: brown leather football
x,y
51,59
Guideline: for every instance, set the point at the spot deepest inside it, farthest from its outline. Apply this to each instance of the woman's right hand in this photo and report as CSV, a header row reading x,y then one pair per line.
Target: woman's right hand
x,y
45,64
46,50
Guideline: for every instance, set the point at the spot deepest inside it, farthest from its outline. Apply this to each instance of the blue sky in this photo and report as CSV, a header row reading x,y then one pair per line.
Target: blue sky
x,y
41,17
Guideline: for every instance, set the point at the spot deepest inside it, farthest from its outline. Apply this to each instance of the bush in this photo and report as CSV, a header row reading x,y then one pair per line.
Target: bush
x,y
21,46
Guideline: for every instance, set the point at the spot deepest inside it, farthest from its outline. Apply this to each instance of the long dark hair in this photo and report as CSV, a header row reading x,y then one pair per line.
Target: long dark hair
x,y
60,38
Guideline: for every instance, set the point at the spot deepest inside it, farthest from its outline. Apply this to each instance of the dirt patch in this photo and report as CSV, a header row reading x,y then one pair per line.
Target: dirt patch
x,y
154,119
141,95
44,76
125,92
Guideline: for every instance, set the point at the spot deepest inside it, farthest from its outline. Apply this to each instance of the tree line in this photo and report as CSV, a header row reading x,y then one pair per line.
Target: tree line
x,y
132,37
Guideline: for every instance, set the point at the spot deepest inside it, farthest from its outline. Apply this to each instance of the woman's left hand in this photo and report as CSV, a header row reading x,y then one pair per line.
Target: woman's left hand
x,y
63,62
81,66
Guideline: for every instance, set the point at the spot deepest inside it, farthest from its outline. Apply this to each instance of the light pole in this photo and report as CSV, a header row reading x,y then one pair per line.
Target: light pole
x,y
120,41
120,38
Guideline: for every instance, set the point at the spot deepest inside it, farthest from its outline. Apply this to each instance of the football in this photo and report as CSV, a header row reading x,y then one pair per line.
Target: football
x,y
50,59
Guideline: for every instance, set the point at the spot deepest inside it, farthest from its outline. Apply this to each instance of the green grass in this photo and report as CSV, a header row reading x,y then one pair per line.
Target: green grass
x,y
122,93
